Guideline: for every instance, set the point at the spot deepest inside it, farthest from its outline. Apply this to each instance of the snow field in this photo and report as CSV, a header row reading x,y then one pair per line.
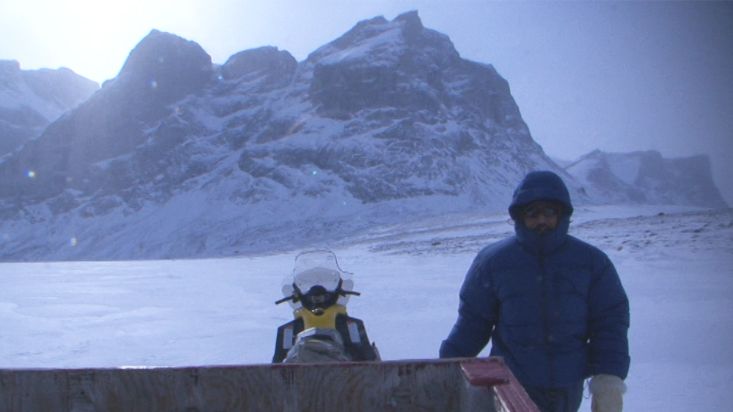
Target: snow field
x,y
676,268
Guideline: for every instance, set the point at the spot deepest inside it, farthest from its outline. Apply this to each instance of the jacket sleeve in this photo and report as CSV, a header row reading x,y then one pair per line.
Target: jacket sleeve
x,y
476,315
608,324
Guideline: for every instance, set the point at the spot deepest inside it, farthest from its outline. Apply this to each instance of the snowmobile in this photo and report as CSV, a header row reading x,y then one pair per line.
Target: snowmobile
x,y
321,331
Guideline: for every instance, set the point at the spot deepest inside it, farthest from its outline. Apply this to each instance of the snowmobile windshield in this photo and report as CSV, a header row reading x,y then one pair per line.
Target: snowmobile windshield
x,y
318,269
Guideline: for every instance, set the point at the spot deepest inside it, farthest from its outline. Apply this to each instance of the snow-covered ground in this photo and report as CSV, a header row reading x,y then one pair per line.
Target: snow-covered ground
x,y
677,267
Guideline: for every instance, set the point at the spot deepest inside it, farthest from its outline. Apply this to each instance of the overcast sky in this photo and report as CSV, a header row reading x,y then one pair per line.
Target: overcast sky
x,y
617,76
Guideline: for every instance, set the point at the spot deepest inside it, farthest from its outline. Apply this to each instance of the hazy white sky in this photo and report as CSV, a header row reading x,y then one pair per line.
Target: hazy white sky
x,y
618,76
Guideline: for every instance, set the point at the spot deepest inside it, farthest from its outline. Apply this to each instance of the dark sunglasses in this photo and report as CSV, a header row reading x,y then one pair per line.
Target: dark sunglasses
x,y
533,212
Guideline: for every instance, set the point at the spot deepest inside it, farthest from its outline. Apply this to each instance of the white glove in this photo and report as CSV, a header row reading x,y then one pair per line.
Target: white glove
x,y
608,392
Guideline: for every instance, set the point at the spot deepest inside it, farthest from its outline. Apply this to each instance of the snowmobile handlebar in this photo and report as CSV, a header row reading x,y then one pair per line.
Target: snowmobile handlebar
x,y
296,297
285,299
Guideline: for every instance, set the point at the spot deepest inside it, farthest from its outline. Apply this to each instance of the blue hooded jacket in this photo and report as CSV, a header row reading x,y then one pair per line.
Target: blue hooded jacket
x,y
552,305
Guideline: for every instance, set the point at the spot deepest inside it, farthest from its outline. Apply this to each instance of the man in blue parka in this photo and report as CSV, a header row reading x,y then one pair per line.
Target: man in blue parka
x,y
552,305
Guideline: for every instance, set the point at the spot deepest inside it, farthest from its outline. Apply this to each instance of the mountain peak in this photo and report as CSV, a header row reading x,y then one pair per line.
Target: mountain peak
x,y
412,25
378,38
411,17
166,65
396,63
268,61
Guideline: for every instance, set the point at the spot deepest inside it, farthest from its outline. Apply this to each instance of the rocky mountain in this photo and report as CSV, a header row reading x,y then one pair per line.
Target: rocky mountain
x,y
32,99
178,157
383,123
647,178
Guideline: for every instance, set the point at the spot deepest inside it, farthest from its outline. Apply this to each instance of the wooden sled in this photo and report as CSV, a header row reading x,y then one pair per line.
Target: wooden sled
x,y
468,384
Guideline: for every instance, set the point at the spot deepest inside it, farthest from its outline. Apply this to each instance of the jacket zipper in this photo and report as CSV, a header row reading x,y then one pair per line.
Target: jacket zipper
x,y
547,336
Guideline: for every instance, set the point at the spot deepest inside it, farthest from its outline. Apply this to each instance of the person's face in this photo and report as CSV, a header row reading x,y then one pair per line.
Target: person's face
x,y
541,216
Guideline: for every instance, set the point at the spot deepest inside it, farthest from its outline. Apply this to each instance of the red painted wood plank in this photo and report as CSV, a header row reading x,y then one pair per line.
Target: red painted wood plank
x,y
488,372
496,376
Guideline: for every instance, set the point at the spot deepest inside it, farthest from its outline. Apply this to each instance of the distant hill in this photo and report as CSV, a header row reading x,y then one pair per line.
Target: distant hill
x,y
32,99
647,177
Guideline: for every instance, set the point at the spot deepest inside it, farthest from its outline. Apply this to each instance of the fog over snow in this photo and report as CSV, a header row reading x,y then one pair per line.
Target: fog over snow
x,y
675,264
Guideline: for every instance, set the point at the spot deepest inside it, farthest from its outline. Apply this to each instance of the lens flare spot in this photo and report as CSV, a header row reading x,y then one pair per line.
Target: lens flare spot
x,y
31,174
73,242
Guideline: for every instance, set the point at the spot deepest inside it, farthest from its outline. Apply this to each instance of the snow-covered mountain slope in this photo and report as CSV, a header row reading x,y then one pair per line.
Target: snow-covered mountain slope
x,y
177,157
382,124
31,99
647,178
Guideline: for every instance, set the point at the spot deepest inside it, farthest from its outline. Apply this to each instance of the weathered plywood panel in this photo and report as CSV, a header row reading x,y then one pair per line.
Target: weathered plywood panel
x,y
33,390
432,385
